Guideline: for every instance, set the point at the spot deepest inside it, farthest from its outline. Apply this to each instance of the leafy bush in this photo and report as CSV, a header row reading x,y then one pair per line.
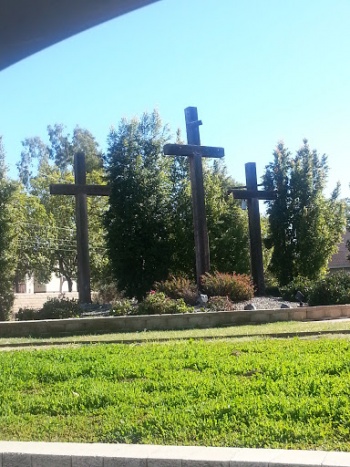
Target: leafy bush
x,y
333,290
157,303
237,287
125,306
26,314
301,284
60,308
179,287
220,304
54,308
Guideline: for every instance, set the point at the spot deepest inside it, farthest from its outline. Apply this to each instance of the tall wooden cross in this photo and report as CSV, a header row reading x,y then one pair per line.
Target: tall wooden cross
x,y
194,151
81,190
251,193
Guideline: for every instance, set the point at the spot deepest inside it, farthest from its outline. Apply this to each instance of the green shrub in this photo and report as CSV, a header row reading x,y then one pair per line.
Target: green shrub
x,y
60,308
27,314
220,304
54,308
333,290
271,285
179,287
237,287
125,306
301,284
157,303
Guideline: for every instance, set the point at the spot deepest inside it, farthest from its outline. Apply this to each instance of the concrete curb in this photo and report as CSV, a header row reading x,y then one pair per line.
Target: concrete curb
x,y
105,325
25,454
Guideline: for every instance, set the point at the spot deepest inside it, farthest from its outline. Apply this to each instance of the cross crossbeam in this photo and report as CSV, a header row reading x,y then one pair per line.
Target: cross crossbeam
x,y
77,189
193,150
250,194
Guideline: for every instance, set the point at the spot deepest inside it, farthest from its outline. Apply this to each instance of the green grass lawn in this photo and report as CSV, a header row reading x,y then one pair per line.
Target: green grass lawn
x,y
288,393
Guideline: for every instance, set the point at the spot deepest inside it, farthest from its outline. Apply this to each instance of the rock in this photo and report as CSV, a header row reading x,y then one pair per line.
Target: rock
x,y
202,299
285,305
300,297
250,306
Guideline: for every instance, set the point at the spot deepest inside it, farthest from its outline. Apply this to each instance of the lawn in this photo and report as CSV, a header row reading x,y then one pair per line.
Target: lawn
x,y
261,393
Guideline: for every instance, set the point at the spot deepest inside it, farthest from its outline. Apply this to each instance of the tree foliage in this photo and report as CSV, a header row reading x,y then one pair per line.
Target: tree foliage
x,y
149,222
305,226
7,263
137,235
32,237
54,164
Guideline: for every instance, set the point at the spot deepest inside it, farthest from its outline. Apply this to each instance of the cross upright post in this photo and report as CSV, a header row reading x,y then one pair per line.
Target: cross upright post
x,y
252,195
81,190
198,203
82,231
194,151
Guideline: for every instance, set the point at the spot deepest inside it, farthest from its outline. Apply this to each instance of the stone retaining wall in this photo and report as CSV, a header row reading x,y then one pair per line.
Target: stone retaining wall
x,y
16,454
105,325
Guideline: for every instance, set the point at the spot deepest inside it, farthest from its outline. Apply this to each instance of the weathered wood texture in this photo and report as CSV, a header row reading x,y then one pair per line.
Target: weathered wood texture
x,y
70,189
194,151
82,231
246,194
201,238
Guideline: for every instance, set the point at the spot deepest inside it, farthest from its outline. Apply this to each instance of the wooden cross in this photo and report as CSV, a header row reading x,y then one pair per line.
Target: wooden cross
x,y
81,190
252,195
194,151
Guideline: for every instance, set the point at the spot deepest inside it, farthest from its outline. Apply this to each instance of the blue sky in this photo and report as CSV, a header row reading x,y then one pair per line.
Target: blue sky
x,y
257,70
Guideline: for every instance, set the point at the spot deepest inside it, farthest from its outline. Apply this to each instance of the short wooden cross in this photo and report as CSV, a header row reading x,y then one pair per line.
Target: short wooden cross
x,y
251,193
81,190
194,151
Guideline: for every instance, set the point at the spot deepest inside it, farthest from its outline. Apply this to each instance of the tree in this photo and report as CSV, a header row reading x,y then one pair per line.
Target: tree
x,y
227,222
305,226
149,222
137,219
32,237
54,164
7,263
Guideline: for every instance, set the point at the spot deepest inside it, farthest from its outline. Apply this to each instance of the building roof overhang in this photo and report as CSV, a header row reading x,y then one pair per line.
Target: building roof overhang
x,y
28,26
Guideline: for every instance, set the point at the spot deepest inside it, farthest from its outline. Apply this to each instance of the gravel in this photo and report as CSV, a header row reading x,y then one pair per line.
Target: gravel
x,y
266,303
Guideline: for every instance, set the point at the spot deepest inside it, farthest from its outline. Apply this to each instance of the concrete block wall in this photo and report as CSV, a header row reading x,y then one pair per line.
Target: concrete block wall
x,y
73,326
17,454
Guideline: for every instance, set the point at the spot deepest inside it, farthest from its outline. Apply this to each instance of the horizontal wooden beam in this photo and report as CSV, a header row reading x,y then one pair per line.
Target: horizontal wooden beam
x,y
193,150
253,194
70,189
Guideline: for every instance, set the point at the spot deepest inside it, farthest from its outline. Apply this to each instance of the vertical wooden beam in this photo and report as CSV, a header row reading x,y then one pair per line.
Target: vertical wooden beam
x,y
82,231
197,188
256,256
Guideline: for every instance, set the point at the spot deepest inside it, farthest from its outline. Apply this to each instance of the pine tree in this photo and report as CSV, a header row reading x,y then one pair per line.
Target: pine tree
x,y
305,226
